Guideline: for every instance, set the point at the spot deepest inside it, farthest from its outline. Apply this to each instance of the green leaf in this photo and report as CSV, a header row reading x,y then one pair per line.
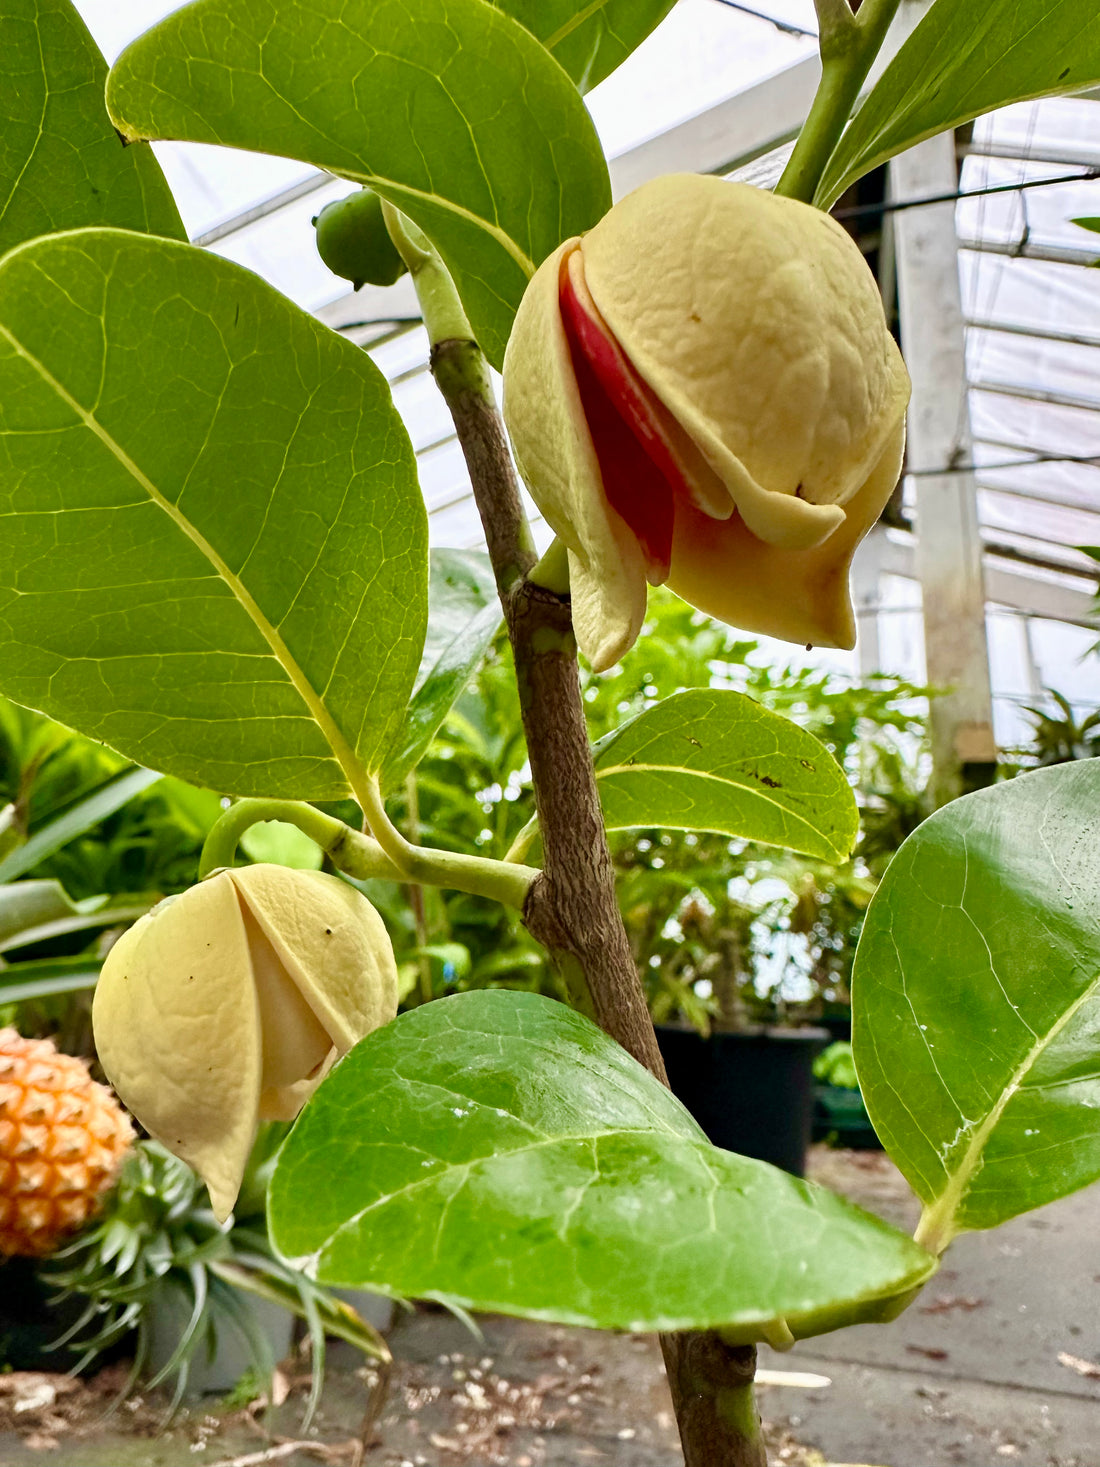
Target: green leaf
x,y
588,38
86,812
976,1001
281,844
448,108
33,911
497,1151
464,615
48,978
1090,222
213,553
716,760
966,57
61,165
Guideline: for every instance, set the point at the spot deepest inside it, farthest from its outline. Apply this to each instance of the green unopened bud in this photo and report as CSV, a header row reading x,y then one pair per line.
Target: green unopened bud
x,y
353,241
227,1005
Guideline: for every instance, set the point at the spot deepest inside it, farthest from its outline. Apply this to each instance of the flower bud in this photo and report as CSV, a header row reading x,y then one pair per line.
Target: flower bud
x,y
227,1005
703,390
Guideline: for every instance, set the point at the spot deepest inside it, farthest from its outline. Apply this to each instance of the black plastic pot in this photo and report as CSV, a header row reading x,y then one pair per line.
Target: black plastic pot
x,y
752,1092
30,1319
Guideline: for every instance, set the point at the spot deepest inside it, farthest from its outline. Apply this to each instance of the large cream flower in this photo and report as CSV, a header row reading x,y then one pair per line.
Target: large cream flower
x,y
702,390
227,1005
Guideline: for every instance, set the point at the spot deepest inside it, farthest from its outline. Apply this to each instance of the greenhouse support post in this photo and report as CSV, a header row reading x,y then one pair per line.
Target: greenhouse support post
x,y
949,546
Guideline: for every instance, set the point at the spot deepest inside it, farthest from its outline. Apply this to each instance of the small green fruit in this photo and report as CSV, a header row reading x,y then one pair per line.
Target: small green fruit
x,y
354,243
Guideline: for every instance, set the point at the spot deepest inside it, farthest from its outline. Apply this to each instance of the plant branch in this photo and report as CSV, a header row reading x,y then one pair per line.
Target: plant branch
x,y
848,49
364,858
572,907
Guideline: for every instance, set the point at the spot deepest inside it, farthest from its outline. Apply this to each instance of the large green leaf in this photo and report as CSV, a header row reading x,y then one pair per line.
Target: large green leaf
x,y
716,760
588,38
448,108
976,1001
464,615
966,57
213,548
61,165
498,1151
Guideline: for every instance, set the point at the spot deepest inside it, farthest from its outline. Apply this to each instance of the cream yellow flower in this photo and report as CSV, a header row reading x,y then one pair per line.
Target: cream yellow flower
x,y
227,1005
703,390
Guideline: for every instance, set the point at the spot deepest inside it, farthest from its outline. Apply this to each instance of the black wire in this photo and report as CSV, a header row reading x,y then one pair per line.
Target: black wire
x,y
781,25
888,206
1090,460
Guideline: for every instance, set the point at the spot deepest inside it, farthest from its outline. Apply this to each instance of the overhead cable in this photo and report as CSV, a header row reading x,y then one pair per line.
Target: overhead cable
x,y
895,206
785,26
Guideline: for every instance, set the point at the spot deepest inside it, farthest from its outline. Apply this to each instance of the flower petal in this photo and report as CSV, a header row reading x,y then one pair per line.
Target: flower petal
x,y
757,323
177,1031
798,595
333,946
554,450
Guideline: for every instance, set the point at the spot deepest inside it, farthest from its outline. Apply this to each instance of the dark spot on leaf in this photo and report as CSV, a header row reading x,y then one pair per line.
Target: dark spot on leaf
x,y
328,931
237,314
807,765
695,316
1063,74
694,742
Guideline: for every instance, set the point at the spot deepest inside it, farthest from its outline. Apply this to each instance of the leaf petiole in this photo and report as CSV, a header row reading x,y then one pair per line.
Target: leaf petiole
x,y
365,858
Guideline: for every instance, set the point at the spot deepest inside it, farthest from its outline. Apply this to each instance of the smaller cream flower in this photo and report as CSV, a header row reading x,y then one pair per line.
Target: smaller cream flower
x,y
703,390
227,1005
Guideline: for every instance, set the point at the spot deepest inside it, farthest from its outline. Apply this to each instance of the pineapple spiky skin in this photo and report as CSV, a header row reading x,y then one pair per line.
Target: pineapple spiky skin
x,y
62,1140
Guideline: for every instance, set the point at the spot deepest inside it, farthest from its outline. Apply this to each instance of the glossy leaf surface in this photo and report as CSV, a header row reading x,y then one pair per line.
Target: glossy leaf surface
x,y
711,759
976,1001
448,108
588,38
966,57
61,165
499,1151
464,615
212,544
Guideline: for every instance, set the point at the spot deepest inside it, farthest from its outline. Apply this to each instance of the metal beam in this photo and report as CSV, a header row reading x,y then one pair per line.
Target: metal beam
x,y
949,552
1064,596
1023,249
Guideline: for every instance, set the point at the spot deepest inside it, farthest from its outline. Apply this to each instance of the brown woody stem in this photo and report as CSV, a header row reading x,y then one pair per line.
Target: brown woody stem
x,y
571,907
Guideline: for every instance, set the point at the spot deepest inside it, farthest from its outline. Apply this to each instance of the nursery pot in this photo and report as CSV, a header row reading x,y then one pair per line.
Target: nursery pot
x,y
752,1091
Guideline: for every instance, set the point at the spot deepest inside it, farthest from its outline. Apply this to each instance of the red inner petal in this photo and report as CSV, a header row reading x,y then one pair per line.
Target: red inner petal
x,y
634,460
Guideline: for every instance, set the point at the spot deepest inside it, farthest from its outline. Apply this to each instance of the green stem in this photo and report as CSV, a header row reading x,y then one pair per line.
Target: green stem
x,y
847,53
365,858
442,310
416,893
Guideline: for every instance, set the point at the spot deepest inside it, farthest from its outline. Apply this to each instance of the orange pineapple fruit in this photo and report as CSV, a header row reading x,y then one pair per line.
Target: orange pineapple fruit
x,y
62,1141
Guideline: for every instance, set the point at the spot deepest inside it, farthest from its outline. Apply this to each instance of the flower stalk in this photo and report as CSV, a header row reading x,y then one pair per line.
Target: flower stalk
x,y
849,44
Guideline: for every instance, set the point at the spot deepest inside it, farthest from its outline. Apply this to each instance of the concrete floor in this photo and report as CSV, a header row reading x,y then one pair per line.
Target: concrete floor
x,y
990,1366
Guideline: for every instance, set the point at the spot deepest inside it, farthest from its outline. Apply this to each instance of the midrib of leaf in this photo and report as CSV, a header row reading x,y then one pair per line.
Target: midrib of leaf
x,y
936,1227
719,779
345,756
502,237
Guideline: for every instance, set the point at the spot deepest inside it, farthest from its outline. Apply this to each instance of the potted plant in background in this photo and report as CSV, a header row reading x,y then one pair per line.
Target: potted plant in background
x,y
746,949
